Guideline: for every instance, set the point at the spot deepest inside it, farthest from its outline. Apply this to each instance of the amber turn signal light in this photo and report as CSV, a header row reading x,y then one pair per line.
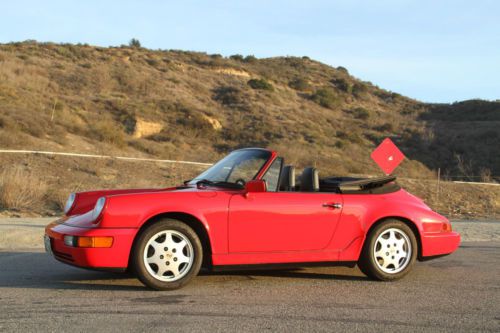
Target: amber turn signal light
x,y
446,226
83,241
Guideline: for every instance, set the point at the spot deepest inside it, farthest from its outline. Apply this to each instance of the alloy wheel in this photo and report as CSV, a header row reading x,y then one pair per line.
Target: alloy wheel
x,y
392,250
168,255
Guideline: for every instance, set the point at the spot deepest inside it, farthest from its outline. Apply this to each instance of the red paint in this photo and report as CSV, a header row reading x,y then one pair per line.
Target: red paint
x,y
253,227
255,186
387,156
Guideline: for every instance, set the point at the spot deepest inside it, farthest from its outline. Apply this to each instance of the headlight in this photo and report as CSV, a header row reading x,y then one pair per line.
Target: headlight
x,y
99,206
69,203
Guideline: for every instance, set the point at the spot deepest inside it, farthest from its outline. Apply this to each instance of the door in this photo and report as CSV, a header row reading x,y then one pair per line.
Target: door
x,y
282,221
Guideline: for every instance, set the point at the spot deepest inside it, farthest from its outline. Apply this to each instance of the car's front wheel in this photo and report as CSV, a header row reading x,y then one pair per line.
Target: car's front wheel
x,y
167,255
389,252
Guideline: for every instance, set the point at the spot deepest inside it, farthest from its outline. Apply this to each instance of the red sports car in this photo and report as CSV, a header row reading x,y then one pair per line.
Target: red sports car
x,y
247,209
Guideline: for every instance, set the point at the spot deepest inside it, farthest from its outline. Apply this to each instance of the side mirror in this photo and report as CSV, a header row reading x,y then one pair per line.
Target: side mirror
x,y
255,186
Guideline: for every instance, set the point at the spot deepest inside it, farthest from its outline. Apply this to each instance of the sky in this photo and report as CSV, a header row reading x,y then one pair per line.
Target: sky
x,y
434,51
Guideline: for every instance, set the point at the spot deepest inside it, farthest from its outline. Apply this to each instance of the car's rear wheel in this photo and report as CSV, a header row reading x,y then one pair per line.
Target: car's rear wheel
x,y
389,252
167,255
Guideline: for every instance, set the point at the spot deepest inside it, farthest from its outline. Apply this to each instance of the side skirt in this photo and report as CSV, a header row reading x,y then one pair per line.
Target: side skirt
x,y
420,258
222,268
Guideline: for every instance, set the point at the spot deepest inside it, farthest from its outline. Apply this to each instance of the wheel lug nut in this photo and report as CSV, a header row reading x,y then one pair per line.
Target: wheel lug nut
x,y
175,259
174,251
168,262
161,257
166,248
392,257
387,253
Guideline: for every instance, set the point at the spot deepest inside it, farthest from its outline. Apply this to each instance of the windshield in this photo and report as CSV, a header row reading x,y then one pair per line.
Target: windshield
x,y
238,167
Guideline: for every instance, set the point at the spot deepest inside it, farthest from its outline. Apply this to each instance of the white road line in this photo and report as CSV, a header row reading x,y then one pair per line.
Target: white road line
x,y
476,183
101,156
124,158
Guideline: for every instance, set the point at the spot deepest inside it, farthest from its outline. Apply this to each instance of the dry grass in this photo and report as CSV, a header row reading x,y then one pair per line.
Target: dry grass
x,y
21,189
83,98
48,91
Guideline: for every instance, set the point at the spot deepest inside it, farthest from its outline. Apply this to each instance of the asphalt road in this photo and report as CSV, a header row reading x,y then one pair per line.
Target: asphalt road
x,y
460,292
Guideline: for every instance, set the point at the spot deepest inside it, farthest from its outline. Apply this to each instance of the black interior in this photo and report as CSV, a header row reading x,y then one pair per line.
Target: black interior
x,y
309,181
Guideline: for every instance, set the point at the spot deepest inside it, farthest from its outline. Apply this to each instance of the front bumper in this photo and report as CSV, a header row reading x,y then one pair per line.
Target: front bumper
x,y
115,257
436,244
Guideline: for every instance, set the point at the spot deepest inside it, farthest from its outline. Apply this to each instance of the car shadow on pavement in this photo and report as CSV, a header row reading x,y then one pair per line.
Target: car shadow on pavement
x,y
39,270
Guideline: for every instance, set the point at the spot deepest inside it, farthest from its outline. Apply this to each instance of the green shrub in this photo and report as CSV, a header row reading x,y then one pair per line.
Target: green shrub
x,y
342,69
135,43
260,84
326,97
195,122
299,84
387,127
339,144
342,84
341,135
352,137
359,89
227,95
250,59
384,95
361,113
374,137
237,57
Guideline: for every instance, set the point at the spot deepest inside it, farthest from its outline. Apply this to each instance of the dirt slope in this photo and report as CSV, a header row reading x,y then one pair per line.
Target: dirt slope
x,y
193,106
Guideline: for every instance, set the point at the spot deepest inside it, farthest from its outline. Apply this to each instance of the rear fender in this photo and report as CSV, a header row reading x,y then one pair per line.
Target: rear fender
x,y
360,215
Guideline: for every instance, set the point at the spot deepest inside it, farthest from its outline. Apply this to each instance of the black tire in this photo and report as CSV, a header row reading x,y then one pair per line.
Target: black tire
x,y
368,263
138,264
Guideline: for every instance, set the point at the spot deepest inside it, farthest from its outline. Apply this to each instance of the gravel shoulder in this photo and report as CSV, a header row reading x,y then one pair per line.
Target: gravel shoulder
x,y
27,233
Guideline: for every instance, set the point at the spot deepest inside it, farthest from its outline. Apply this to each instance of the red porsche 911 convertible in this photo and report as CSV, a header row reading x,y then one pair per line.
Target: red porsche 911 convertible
x,y
248,210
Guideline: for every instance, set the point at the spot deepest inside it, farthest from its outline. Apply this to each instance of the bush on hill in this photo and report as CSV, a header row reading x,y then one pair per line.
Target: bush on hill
x,y
260,84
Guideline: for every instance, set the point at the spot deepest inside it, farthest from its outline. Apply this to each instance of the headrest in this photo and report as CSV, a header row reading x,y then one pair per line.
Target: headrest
x,y
309,181
287,180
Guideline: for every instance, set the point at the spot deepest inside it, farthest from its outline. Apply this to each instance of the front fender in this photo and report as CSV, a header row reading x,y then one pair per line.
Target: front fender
x,y
133,210
85,201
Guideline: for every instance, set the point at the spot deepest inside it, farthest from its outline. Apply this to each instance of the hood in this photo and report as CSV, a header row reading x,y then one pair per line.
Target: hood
x,y
85,201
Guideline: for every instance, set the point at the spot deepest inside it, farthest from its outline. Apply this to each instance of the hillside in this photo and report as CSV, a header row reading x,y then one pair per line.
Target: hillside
x,y
194,106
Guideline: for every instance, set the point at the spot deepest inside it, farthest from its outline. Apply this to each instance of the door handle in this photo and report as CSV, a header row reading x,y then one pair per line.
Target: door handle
x,y
334,205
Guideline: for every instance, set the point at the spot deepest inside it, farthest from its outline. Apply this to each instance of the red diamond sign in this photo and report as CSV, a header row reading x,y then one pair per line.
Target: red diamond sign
x,y
387,156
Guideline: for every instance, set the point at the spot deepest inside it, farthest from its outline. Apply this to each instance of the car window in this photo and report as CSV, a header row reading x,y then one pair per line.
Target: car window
x,y
272,175
240,164
245,170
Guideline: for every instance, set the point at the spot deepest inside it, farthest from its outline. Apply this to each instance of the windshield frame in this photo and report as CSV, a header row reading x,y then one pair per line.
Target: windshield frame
x,y
269,157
